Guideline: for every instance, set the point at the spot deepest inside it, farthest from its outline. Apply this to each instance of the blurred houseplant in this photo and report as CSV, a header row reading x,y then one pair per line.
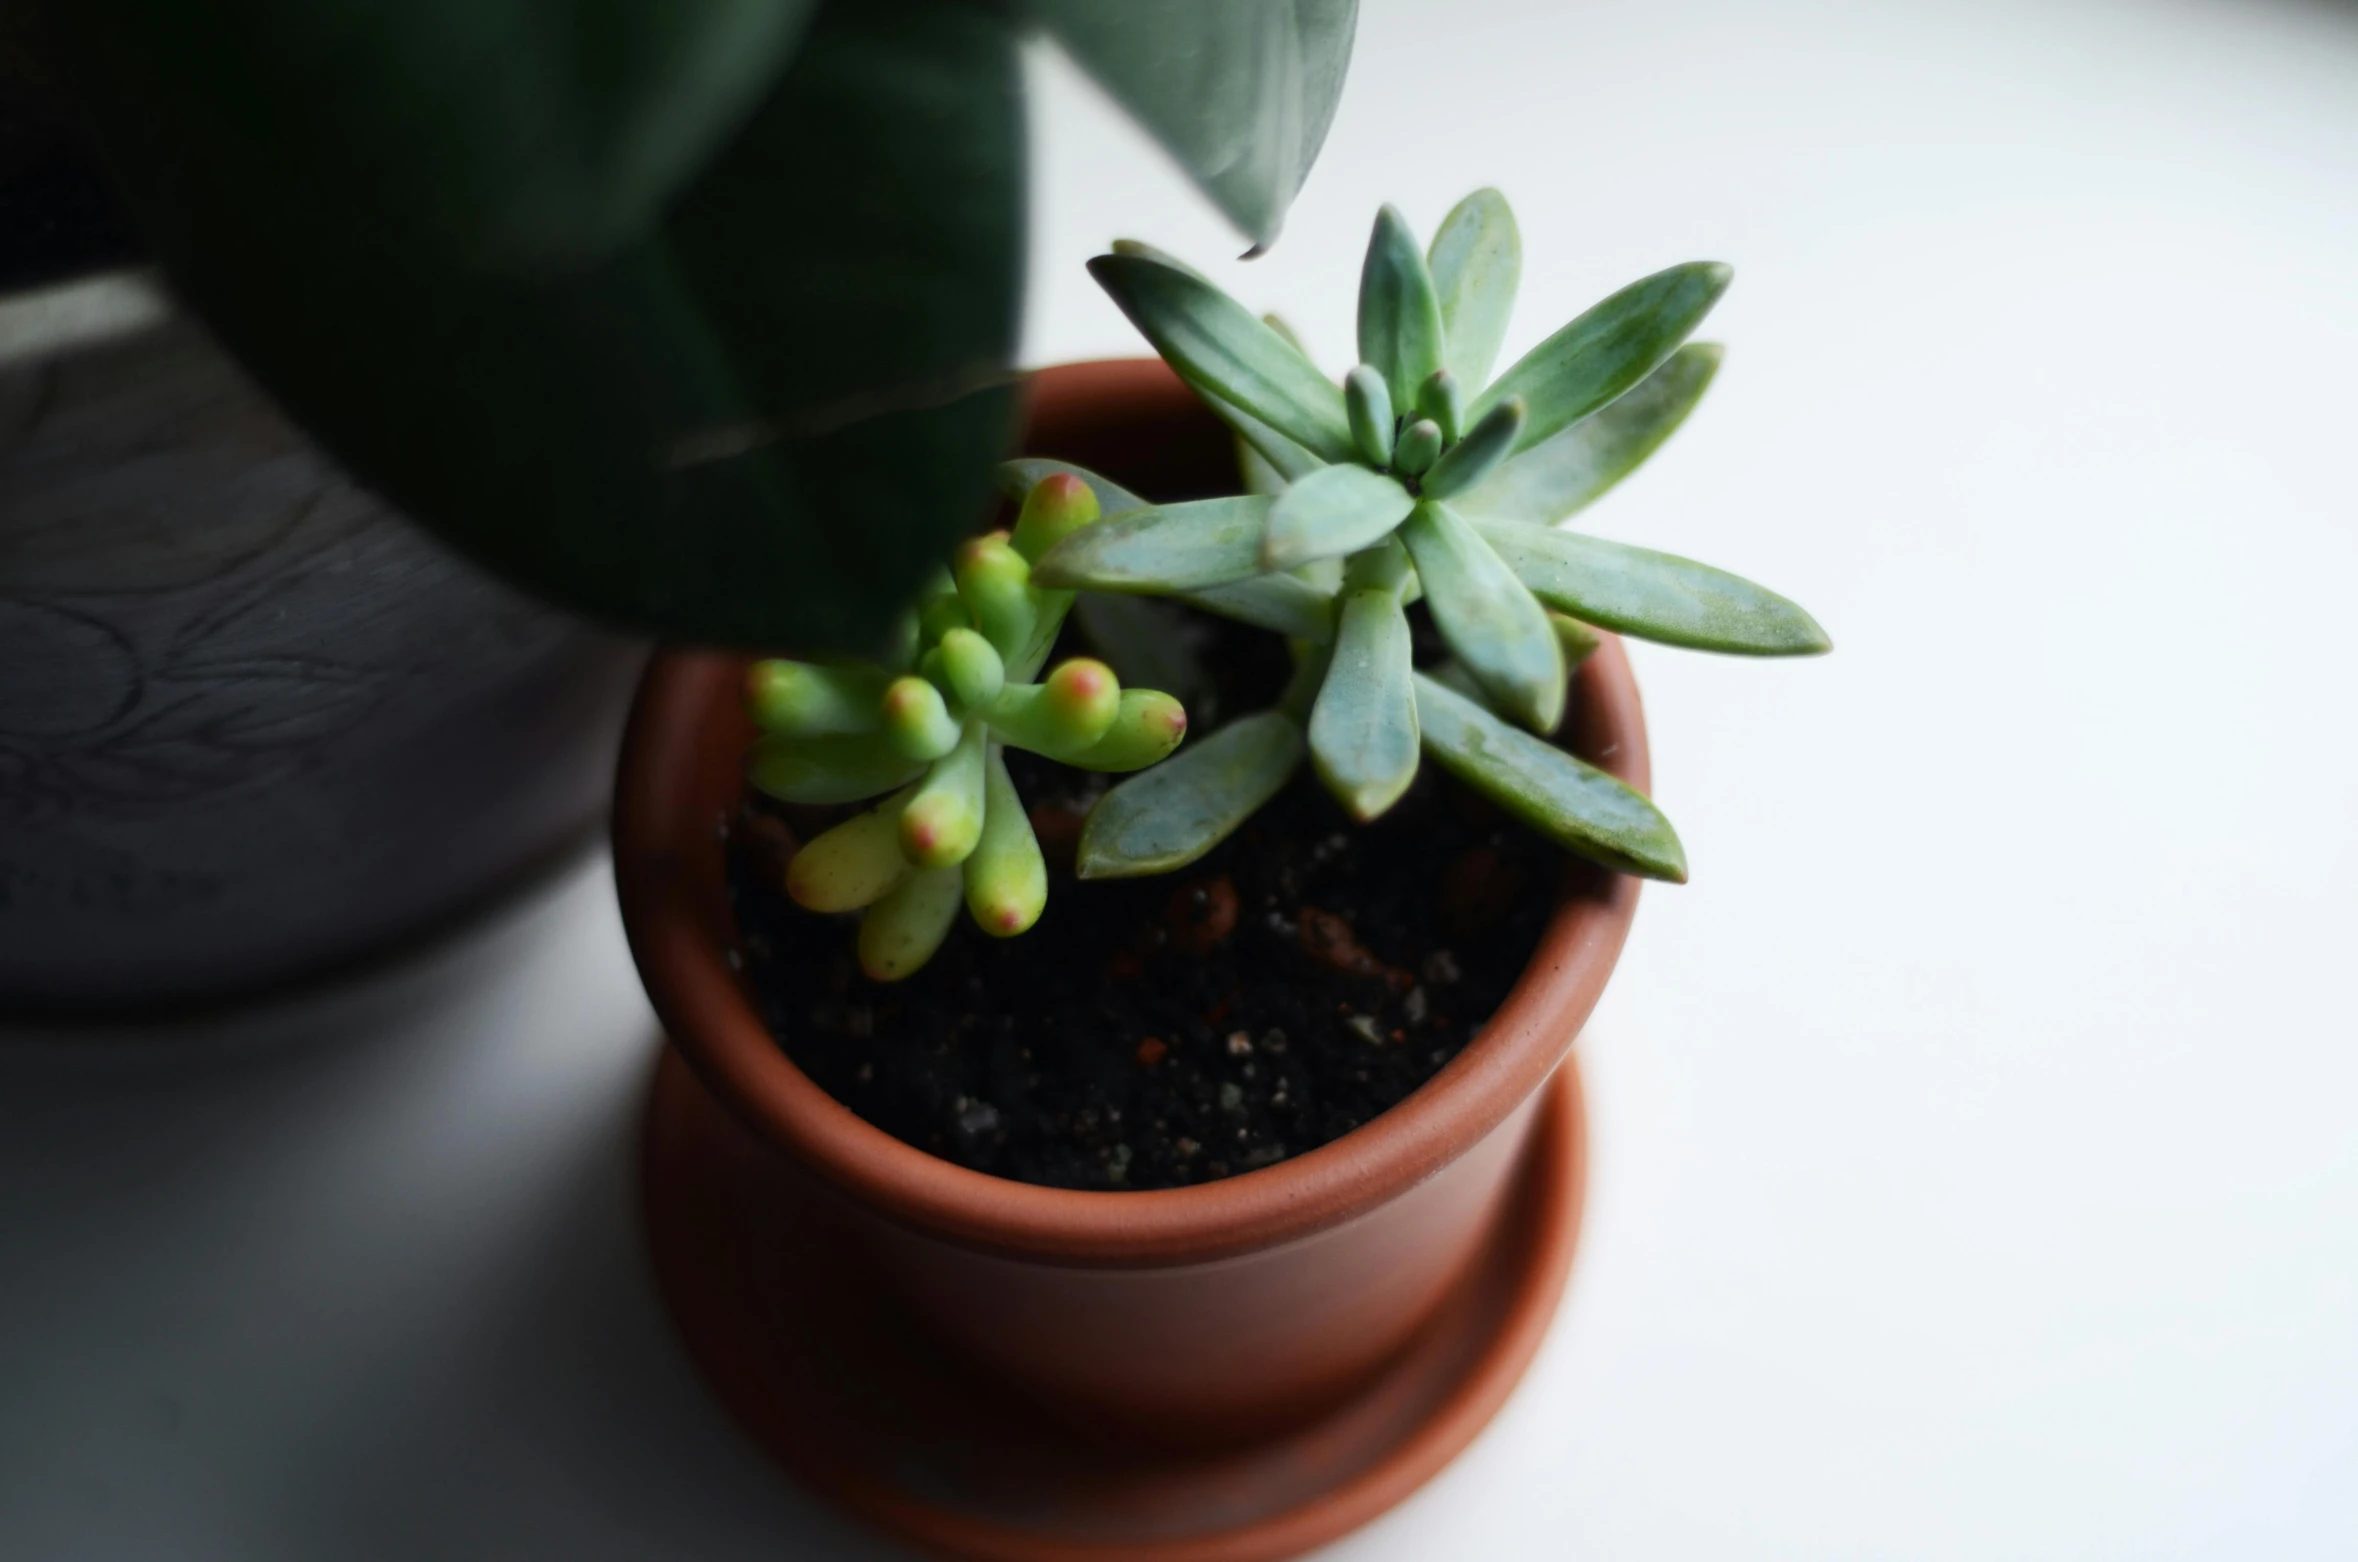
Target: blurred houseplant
x,y
558,280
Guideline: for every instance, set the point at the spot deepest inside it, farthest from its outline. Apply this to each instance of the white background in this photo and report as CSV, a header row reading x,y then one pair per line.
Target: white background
x,y
1975,1174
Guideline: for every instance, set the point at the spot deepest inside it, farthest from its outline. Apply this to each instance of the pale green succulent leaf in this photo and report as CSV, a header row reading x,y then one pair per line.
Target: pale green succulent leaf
x,y
1147,643
1019,476
1399,313
1278,603
1006,878
1573,803
1216,344
900,933
1559,477
1333,511
1486,446
1363,729
1477,262
1255,472
1609,349
1490,619
1172,814
1163,548
1654,596
831,769
1239,91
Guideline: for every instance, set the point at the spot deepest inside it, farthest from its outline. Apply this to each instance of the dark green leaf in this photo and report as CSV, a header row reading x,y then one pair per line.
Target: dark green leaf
x,y
1573,803
1399,316
1334,511
1163,548
1477,261
1171,815
835,769
1490,619
1559,477
1239,91
1216,344
1655,596
763,419
498,133
1363,730
1607,350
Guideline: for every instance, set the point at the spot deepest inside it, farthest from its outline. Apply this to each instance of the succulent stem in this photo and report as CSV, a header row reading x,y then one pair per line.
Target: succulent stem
x,y
1369,402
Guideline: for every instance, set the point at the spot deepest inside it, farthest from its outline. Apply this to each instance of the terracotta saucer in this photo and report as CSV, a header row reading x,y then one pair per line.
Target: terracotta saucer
x,y
789,1328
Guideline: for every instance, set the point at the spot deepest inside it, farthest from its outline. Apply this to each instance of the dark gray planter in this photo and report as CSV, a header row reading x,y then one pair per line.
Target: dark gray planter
x,y
252,723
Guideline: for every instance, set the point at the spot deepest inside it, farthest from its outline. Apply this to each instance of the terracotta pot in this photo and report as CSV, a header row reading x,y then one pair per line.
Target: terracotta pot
x,y
1203,1313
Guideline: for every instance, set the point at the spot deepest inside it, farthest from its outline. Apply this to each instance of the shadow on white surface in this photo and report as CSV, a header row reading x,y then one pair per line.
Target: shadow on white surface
x,y
362,1277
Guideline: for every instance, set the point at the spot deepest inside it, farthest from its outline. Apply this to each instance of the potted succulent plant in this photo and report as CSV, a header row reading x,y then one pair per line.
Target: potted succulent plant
x,y
1221,1207
609,296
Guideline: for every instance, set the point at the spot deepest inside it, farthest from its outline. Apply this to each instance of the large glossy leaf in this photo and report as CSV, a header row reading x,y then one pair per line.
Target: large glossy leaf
x,y
1477,262
502,132
1607,350
1334,511
1162,549
1573,803
1558,478
1363,730
1169,816
1399,316
762,418
1490,619
1219,346
1655,596
1239,91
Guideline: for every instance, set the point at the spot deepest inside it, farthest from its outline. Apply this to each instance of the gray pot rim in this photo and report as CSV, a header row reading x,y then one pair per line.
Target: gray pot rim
x,y
56,318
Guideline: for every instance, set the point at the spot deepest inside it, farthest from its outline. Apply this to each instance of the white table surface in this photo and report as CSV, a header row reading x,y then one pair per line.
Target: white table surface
x,y
1975,1174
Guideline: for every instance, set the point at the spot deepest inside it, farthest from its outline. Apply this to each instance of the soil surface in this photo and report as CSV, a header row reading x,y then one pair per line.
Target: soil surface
x,y
1304,976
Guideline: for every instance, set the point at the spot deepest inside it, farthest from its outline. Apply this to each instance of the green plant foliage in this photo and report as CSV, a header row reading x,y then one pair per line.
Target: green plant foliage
x,y
696,316
1477,263
1491,622
1423,484
1588,363
968,686
1189,803
1655,596
1559,477
1577,805
1363,730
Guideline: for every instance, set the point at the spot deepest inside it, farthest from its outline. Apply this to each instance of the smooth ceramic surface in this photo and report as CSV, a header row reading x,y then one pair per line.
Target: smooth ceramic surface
x,y
253,724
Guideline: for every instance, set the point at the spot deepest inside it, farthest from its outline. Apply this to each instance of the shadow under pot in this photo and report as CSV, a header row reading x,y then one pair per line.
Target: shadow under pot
x,y
1239,1368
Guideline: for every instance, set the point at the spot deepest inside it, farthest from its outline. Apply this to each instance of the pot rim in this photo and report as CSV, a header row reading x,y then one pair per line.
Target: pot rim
x,y
670,875
92,308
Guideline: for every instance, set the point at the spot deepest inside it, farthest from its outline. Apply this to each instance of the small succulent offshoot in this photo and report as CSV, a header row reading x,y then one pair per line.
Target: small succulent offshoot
x,y
928,733
1418,477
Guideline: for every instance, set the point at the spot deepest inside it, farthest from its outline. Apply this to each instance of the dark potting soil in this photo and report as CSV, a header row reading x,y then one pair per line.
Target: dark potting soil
x,y
1304,976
